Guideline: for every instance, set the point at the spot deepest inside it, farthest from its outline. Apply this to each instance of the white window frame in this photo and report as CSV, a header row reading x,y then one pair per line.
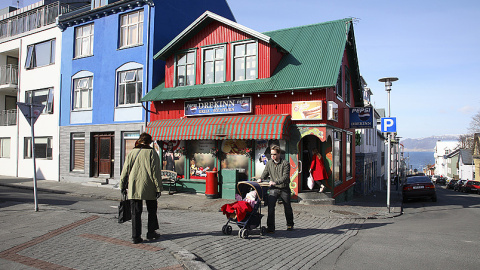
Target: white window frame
x,y
216,61
337,158
98,3
190,65
82,86
339,86
27,150
348,159
131,32
30,96
128,78
31,60
84,42
244,62
5,145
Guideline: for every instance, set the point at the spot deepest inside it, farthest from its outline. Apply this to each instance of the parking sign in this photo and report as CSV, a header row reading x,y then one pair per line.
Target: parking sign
x,y
389,124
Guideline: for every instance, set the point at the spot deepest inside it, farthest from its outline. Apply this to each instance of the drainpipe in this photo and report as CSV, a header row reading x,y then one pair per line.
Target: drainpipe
x,y
18,97
147,63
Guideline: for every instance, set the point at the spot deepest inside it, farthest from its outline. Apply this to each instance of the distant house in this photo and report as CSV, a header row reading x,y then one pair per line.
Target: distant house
x,y
466,168
443,148
476,156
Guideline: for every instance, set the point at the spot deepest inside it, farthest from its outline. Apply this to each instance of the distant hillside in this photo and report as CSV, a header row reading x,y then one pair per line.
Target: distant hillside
x,y
425,144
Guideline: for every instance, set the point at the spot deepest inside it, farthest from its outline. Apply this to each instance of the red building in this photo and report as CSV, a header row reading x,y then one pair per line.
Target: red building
x,y
230,92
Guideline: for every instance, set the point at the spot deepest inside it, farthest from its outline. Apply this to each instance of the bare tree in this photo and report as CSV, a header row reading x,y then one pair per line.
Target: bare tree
x,y
475,123
466,141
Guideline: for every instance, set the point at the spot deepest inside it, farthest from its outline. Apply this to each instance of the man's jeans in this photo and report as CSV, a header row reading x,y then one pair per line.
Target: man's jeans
x,y
273,195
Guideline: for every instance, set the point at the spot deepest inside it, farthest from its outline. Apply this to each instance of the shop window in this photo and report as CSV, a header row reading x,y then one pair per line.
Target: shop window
x,y
40,54
204,154
349,156
82,93
214,65
262,153
245,61
43,147
337,158
347,86
98,3
130,86
77,152
84,40
235,155
131,29
4,147
128,143
43,96
338,87
185,68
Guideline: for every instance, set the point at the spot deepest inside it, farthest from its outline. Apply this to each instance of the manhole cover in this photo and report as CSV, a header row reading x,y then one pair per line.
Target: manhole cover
x,y
344,212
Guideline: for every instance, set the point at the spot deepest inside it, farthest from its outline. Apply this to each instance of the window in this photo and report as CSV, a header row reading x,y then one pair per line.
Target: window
x,y
214,65
40,54
245,61
131,29
129,139
337,158
4,147
82,93
130,86
349,155
78,152
84,40
43,147
44,97
338,87
185,69
347,85
98,3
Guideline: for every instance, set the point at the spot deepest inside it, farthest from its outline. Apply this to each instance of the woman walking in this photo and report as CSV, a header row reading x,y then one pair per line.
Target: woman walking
x,y
317,169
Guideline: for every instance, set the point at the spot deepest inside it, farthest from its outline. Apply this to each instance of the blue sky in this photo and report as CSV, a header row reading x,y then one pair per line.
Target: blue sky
x,y
431,46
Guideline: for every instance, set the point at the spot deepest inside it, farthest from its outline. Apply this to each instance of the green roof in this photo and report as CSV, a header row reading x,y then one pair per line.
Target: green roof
x,y
313,61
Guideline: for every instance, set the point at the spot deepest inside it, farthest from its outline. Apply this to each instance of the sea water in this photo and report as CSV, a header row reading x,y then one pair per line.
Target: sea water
x,y
419,160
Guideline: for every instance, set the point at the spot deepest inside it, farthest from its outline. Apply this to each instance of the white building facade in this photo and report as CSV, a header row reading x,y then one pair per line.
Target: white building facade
x,y
443,148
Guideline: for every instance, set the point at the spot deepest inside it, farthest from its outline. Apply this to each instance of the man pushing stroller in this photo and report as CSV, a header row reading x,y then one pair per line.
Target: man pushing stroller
x,y
278,170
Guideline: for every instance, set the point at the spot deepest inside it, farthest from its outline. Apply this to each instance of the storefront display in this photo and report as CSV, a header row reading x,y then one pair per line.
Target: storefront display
x,y
262,154
236,156
173,156
202,159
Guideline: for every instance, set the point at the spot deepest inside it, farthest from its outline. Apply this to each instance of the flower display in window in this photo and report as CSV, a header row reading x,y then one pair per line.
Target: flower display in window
x,y
180,151
214,151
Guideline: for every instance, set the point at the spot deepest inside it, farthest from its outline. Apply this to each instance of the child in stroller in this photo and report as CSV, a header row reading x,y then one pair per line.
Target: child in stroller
x,y
246,212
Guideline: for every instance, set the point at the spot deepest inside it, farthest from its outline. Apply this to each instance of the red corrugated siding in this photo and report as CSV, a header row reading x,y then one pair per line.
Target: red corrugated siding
x,y
216,33
275,57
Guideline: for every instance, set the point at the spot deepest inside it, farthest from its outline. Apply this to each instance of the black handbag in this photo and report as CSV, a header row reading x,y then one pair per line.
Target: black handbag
x,y
124,209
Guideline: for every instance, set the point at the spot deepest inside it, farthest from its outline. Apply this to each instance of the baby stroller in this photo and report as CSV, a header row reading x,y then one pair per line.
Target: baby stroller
x,y
252,219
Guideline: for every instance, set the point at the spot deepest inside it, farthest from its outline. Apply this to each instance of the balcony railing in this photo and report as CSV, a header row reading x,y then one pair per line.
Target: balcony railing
x,y
8,118
9,74
33,19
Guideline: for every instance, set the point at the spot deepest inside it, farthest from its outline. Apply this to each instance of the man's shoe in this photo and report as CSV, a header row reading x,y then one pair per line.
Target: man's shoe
x,y
289,228
153,236
270,230
137,240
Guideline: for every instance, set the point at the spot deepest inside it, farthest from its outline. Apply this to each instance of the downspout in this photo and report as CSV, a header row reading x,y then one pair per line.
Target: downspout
x,y
18,99
147,63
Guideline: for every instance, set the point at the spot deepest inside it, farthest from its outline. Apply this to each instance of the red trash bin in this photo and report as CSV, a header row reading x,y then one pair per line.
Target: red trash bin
x,y
211,185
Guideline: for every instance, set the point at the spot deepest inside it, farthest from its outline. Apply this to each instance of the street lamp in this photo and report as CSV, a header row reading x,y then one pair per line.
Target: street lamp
x,y
388,87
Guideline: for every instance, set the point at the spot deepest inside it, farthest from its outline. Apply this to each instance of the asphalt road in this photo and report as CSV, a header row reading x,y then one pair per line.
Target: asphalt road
x,y
429,235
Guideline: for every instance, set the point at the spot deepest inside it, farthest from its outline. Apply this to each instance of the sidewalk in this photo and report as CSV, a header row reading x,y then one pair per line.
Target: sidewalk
x,y
364,207
56,238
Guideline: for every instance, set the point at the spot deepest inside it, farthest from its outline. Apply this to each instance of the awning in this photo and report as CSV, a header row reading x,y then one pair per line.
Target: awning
x,y
247,127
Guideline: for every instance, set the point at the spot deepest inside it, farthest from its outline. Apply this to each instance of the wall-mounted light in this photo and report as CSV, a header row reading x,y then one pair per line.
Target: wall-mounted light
x,y
213,99
199,99
292,93
258,95
174,101
161,102
310,92
243,95
275,95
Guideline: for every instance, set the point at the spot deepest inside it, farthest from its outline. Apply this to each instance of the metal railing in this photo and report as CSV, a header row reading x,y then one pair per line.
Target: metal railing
x,y
8,74
8,117
33,19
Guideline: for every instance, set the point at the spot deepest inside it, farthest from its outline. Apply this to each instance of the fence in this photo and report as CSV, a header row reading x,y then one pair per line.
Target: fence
x,y
9,74
8,117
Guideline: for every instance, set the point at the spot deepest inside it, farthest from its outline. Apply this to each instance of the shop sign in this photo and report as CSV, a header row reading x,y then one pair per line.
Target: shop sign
x,y
307,110
361,117
218,106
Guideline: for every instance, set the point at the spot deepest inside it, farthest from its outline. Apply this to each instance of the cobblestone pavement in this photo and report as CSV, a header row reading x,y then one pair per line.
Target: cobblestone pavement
x,y
191,228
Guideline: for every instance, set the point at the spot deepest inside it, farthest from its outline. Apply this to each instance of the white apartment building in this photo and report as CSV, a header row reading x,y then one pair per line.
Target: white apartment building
x,y
443,148
30,44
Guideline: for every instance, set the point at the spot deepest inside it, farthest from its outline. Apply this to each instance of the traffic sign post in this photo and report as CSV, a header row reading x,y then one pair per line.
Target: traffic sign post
x,y
31,113
389,125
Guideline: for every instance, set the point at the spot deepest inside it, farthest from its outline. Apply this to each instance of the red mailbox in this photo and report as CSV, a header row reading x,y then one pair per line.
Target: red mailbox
x,y
211,185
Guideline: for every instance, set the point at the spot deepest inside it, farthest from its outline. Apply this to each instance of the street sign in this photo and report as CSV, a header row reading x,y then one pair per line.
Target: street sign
x,y
31,114
389,124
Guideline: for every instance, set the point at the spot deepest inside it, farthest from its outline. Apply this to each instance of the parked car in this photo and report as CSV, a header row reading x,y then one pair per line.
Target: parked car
x,y
471,186
451,183
419,187
434,178
441,181
458,186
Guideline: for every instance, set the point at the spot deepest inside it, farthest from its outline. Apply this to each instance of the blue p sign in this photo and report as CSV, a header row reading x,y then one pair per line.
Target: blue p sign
x,y
389,124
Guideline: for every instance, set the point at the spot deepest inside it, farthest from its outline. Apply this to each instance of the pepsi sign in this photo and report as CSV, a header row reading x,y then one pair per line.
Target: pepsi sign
x,y
361,117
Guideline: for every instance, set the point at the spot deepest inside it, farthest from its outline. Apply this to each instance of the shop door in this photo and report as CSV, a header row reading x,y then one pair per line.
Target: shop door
x,y
103,155
307,144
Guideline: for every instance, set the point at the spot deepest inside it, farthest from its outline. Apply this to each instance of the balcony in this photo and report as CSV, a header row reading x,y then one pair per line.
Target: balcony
x,y
8,118
8,77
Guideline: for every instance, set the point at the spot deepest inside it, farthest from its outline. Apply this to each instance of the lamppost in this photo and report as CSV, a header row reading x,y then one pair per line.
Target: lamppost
x,y
388,87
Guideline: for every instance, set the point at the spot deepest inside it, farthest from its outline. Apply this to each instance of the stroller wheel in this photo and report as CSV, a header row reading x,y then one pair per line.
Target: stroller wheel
x,y
243,233
229,230
224,229
263,230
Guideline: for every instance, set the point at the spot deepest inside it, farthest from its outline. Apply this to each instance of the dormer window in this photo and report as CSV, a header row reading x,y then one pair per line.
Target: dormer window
x,y
245,61
214,65
185,68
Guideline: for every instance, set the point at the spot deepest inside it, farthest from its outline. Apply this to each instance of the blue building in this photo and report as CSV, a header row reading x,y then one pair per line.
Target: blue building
x,y
107,67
